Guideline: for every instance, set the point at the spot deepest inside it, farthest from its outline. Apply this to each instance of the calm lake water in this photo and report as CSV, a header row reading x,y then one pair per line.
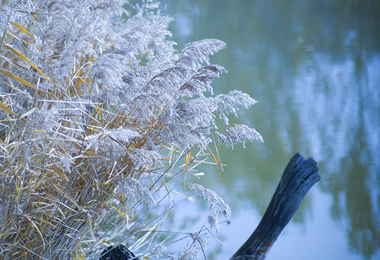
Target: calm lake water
x,y
314,67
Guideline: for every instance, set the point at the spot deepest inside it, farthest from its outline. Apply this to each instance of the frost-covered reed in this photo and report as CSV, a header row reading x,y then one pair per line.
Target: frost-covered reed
x,y
99,116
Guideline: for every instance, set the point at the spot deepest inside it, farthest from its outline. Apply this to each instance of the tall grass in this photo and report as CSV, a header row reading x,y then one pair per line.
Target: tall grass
x,y
100,117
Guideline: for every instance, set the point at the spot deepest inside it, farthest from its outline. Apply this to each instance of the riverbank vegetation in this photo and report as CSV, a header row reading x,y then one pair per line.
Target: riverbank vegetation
x,y
101,118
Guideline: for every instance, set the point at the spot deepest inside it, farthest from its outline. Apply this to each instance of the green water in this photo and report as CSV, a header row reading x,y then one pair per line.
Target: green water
x,y
314,67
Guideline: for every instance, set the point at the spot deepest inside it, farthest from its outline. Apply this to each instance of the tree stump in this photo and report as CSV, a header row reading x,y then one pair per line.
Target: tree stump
x,y
298,177
119,252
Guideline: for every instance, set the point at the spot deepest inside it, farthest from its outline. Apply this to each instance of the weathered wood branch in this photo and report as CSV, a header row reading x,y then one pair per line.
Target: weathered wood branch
x,y
298,177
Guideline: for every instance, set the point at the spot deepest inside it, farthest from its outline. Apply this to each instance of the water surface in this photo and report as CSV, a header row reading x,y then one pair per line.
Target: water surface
x,y
314,67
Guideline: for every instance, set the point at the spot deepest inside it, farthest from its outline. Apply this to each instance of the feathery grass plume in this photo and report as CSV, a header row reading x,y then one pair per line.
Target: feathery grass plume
x,y
100,117
238,134
196,53
134,190
218,208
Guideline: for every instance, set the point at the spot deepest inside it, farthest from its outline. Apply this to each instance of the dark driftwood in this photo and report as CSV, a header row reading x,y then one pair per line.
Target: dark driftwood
x,y
119,252
298,177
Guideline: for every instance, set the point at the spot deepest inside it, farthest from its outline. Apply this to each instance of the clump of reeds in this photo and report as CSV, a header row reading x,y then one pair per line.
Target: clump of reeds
x,y
96,109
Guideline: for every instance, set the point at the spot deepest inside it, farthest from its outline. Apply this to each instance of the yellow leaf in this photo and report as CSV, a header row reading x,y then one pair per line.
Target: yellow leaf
x,y
166,187
94,154
79,81
21,29
6,109
47,222
10,75
216,161
59,172
17,78
26,42
118,210
187,160
13,62
78,255
25,59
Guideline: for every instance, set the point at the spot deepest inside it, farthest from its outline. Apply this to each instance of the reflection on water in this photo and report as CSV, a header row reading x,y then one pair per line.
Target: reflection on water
x,y
314,67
